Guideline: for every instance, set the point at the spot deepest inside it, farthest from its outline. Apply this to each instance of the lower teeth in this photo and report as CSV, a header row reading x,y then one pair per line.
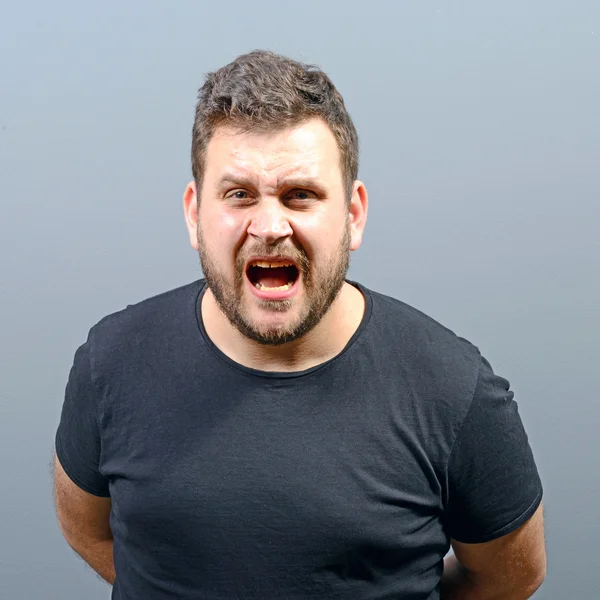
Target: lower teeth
x,y
281,288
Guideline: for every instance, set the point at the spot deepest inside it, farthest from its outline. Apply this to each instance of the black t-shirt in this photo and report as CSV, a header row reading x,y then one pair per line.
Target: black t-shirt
x,y
345,480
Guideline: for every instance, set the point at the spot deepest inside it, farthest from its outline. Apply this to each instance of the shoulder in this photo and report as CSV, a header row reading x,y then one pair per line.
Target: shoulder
x,y
421,343
156,318
435,365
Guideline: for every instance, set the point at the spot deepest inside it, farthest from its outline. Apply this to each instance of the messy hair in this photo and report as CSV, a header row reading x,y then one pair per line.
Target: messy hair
x,y
262,91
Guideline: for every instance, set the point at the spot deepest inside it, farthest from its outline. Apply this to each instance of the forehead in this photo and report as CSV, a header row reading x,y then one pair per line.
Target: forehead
x,y
309,149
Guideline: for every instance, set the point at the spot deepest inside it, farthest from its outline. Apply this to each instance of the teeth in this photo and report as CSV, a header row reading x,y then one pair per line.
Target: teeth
x,y
268,265
281,288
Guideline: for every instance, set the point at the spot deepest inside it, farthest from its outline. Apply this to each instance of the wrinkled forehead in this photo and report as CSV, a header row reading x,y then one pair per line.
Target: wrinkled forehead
x,y
306,151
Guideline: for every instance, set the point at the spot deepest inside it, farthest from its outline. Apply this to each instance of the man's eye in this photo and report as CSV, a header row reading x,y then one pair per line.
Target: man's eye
x,y
301,195
294,195
240,198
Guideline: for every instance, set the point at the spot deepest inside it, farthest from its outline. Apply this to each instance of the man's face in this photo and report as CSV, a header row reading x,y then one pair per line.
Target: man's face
x,y
273,232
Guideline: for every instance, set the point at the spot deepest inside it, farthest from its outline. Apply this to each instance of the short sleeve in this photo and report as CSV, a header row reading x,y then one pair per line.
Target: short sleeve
x,y
493,482
77,437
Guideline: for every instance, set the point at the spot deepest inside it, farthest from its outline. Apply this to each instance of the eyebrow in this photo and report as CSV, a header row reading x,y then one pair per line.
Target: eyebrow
x,y
302,182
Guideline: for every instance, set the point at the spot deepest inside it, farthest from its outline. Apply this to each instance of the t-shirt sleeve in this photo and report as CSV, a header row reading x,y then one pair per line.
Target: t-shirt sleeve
x,y
78,437
493,482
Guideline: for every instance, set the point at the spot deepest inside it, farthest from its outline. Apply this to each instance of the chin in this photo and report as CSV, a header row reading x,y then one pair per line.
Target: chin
x,y
274,324
274,331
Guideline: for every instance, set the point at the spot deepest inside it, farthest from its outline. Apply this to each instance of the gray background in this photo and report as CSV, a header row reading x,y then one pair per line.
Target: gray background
x,y
480,133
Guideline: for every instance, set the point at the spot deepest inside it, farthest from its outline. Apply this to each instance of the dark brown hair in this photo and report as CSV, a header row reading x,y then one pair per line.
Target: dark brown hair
x,y
262,91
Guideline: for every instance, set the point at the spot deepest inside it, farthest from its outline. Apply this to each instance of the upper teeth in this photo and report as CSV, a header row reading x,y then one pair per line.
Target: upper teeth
x,y
268,265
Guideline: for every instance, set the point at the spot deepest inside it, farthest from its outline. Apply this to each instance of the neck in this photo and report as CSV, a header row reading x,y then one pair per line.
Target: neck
x,y
323,342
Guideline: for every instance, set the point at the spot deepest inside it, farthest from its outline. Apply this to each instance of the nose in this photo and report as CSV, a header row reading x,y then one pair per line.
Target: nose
x,y
269,222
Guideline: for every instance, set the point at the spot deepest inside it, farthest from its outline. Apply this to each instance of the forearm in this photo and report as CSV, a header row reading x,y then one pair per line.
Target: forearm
x,y
98,554
459,584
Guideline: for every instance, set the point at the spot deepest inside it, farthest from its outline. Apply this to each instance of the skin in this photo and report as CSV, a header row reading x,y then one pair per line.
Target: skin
x,y
264,209
511,567
84,521
316,226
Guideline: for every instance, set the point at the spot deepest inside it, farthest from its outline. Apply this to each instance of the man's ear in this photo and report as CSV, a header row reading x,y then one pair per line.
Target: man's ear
x,y
190,211
359,206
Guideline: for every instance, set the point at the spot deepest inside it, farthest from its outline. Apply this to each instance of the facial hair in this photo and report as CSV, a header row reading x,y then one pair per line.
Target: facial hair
x,y
321,285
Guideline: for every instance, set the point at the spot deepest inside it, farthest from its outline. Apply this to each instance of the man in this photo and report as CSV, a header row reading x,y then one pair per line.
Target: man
x,y
275,430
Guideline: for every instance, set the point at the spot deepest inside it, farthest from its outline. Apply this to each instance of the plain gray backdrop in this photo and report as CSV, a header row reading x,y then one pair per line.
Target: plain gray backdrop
x,y
480,148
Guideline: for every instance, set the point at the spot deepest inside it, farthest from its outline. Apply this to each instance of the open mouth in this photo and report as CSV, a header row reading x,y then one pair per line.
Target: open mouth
x,y
272,276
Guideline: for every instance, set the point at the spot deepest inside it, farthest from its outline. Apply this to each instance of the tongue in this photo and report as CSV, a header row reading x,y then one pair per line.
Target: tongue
x,y
274,277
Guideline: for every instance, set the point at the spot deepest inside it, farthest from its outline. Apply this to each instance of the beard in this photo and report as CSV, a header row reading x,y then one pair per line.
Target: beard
x,y
321,286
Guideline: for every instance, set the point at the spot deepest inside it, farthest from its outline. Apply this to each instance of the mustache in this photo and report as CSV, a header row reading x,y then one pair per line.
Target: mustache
x,y
296,254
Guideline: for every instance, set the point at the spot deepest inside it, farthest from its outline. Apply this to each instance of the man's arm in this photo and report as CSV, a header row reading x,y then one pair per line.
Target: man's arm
x,y
511,567
84,522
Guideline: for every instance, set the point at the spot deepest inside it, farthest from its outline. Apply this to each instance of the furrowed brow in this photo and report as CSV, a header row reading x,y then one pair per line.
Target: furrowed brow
x,y
232,179
302,182
235,180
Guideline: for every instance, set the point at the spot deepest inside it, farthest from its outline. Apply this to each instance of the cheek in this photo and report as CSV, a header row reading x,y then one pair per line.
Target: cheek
x,y
229,222
320,236
221,227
